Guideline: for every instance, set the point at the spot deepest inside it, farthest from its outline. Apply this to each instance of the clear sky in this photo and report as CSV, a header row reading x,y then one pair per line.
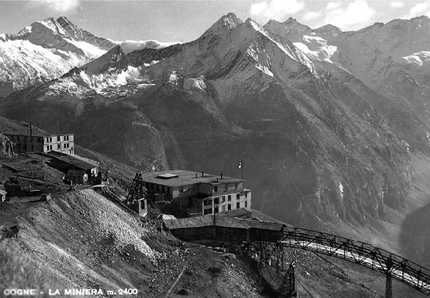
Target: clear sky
x,y
184,20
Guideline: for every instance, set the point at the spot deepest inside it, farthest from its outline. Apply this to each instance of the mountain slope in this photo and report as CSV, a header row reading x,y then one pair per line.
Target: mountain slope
x,y
388,58
45,50
315,150
85,240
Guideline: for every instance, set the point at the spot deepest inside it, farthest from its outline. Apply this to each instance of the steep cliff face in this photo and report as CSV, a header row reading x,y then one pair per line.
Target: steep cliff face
x,y
315,148
391,59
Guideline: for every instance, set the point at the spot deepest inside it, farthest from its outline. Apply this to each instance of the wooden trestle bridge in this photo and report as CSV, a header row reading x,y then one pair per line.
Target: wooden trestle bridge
x,y
267,242
361,253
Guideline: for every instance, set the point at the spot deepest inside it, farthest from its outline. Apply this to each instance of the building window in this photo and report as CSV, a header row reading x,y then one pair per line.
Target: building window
x,y
223,199
58,138
223,207
238,197
207,211
216,200
216,210
229,207
215,188
58,146
246,204
229,197
237,205
246,194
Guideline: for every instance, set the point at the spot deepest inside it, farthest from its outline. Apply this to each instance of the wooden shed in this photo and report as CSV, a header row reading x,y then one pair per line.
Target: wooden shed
x,y
78,170
222,227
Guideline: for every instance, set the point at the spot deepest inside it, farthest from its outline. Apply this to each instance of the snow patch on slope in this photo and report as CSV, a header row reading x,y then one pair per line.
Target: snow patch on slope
x,y
23,61
419,58
129,46
316,47
103,82
115,84
173,78
283,47
198,83
89,49
253,53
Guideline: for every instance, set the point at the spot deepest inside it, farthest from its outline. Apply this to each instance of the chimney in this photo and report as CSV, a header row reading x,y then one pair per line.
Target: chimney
x,y
203,174
221,175
31,130
217,179
196,175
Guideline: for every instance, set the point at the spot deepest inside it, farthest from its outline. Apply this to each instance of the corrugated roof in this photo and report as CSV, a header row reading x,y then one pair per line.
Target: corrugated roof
x,y
38,134
191,222
263,225
220,221
75,160
235,213
184,177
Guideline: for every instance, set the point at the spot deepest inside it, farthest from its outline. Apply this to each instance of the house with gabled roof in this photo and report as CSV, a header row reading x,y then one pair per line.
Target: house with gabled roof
x,y
77,169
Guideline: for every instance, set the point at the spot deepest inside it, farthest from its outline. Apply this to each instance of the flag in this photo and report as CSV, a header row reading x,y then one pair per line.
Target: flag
x,y
239,166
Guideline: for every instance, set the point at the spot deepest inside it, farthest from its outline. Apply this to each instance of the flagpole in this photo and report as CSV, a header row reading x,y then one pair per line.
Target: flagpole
x,y
242,168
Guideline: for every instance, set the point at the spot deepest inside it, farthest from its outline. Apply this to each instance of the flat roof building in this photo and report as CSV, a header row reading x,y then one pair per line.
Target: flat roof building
x,y
42,143
197,193
225,227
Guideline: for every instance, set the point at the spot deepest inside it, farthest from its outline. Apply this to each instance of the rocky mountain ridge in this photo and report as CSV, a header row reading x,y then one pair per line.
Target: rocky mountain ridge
x,y
45,50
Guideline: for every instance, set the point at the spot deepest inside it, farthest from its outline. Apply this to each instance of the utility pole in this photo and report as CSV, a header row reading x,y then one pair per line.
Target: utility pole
x,y
288,286
388,284
240,166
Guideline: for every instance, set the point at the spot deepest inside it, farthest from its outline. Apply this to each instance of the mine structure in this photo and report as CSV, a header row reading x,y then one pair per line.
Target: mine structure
x,y
268,242
268,245
201,200
136,197
192,194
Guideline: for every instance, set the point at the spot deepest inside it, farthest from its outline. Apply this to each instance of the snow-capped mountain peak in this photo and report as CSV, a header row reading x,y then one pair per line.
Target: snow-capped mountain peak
x,y
46,50
226,22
